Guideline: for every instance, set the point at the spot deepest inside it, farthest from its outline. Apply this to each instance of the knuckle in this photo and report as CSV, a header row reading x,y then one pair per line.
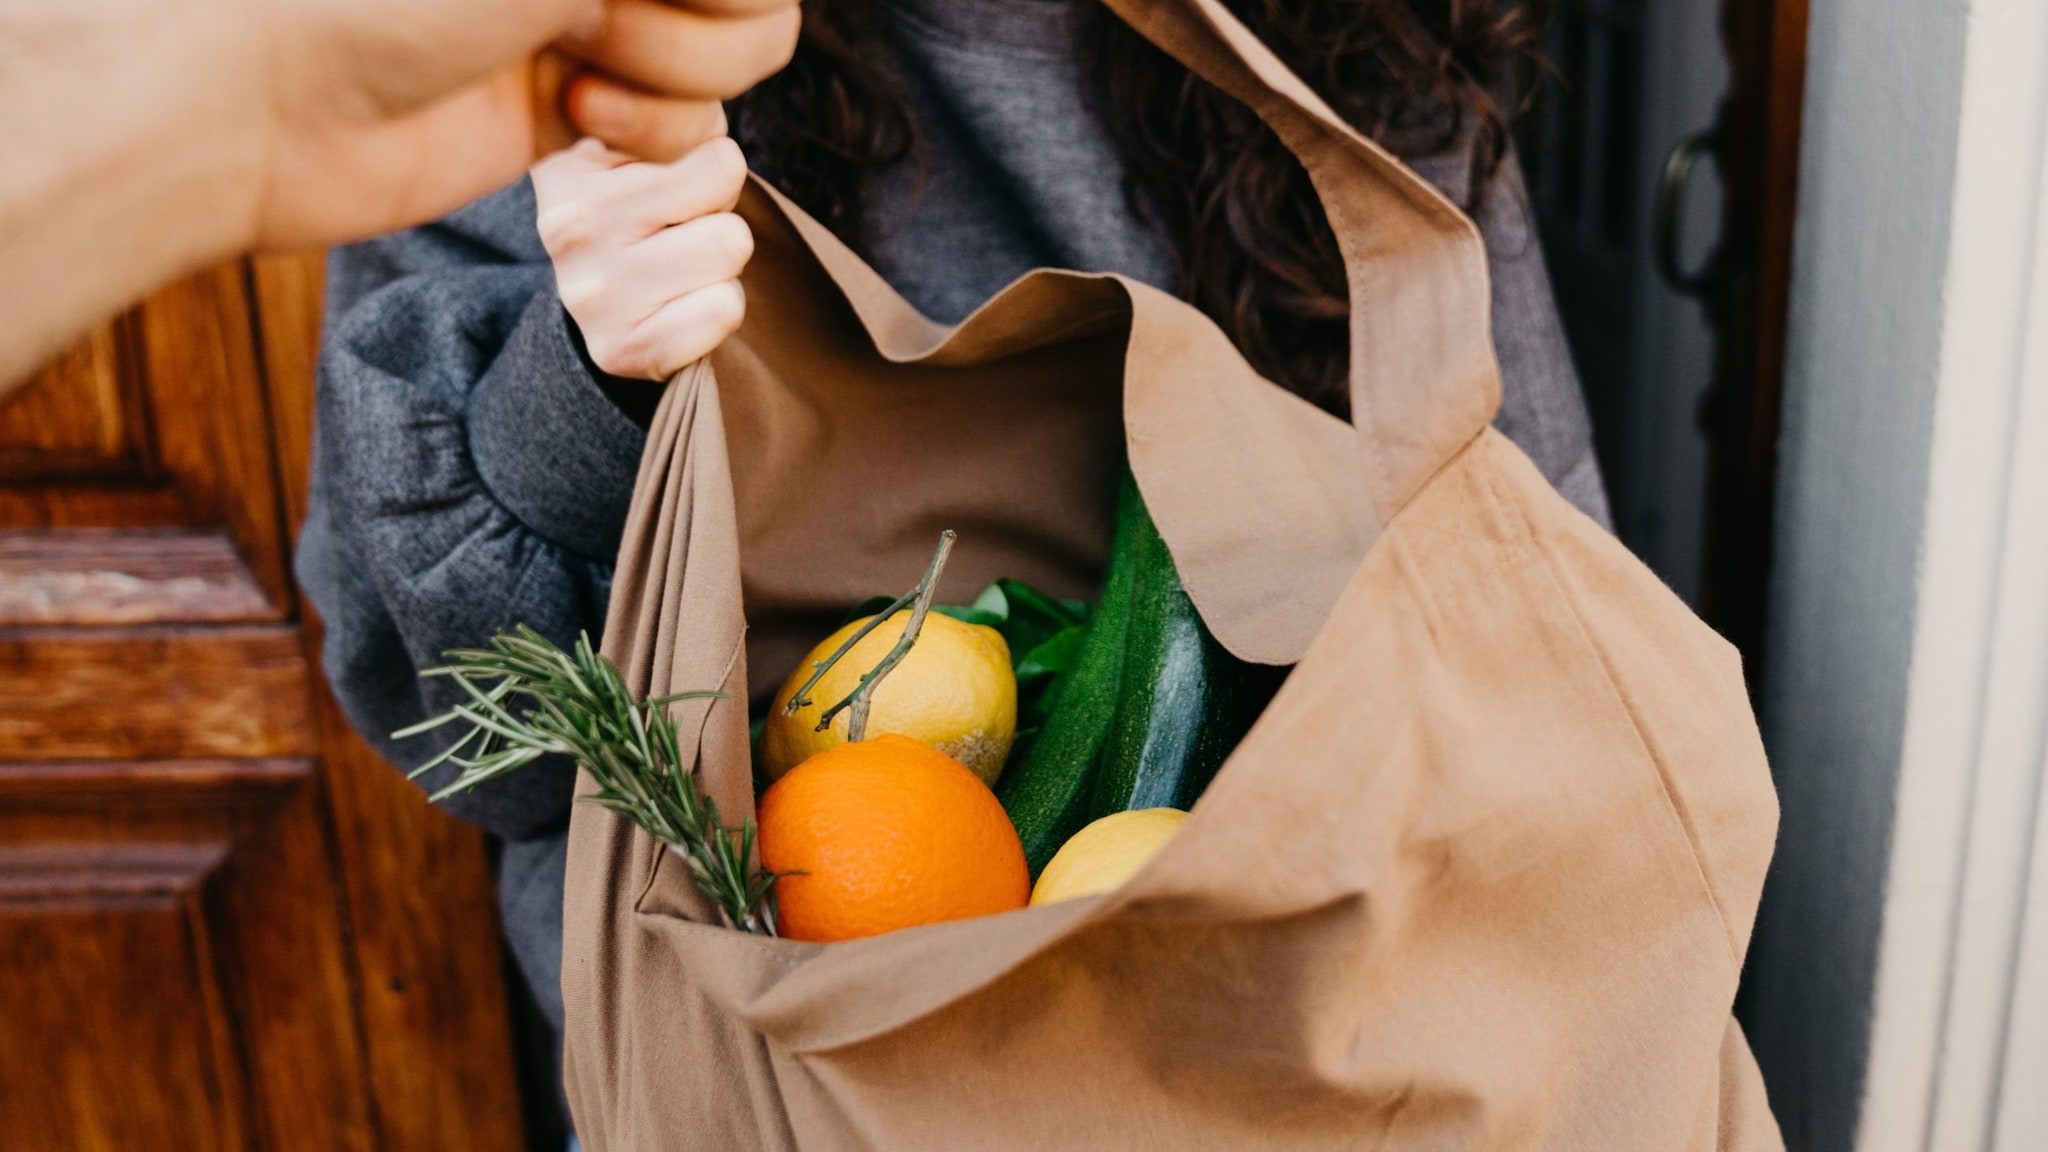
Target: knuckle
x,y
630,138
727,163
603,352
565,227
621,354
580,293
727,307
597,112
668,134
678,348
625,114
563,166
734,240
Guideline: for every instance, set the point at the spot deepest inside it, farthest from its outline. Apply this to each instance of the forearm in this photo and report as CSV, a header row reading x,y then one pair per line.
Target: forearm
x,y
123,171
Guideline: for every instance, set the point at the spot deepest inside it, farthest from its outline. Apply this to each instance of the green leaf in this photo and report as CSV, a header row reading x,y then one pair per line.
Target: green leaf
x,y
970,615
1025,616
1054,656
993,601
1050,612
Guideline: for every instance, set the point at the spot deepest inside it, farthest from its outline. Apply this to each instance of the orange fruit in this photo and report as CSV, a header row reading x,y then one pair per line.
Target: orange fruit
x,y
888,834
954,690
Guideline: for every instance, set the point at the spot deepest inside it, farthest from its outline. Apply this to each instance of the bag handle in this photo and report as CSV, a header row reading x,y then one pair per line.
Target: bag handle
x,y
1424,379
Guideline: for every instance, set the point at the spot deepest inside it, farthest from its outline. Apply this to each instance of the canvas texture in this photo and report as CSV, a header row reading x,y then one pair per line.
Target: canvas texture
x,y
1481,877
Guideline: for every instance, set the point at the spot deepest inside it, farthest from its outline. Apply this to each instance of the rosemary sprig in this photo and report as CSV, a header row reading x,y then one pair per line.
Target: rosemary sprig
x,y
579,706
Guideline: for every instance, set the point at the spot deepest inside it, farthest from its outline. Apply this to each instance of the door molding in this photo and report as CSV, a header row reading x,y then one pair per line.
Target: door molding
x,y
1898,989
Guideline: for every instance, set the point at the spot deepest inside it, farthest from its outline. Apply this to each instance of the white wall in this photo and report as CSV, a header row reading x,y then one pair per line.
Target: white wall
x,y
1898,988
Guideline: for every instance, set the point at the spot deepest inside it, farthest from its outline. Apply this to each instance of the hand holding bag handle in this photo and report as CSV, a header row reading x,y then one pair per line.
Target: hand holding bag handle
x,y
1423,378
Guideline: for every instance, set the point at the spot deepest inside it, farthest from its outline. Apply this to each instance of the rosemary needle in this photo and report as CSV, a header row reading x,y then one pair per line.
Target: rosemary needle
x,y
527,698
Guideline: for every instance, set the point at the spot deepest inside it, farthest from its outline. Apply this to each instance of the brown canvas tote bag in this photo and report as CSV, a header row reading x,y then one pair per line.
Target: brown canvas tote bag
x,y
1481,877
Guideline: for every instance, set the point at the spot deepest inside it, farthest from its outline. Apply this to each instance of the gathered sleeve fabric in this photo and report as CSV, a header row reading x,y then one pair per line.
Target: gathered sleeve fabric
x,y
470,474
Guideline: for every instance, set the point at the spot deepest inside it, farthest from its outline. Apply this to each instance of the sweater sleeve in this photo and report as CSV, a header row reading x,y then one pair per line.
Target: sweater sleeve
x,y
469,474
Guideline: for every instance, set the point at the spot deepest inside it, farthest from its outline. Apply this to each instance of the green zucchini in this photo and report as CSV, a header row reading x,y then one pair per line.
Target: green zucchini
x,y
1047,794
1185,701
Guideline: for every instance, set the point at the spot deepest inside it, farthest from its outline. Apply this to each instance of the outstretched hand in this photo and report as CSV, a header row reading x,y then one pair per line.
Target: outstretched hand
x,y
148,139
385,112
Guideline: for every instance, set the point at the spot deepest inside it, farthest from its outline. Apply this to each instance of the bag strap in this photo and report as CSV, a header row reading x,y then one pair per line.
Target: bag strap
x,y
1424,378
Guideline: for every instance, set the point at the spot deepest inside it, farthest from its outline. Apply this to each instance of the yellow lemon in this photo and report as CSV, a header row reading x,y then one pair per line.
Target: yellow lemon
x,y
1100,857
954,691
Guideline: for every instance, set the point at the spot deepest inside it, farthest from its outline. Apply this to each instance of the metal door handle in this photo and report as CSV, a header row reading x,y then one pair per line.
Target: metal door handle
x,y
1671,190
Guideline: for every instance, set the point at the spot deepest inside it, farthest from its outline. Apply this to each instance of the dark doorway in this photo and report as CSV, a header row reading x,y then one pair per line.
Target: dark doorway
x,y
1663,167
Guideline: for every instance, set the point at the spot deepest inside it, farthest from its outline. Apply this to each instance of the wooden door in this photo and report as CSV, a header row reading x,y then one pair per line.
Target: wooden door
x,y
225,924
1751,290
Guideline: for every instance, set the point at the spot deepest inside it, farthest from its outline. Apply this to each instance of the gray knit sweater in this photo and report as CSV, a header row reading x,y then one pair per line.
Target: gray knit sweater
x,y
472,471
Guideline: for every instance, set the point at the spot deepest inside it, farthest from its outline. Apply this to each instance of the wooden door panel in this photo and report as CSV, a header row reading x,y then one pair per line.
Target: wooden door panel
x,y
214,442
153,692
193,895
89,933
83,416
195,958
91,577
177,382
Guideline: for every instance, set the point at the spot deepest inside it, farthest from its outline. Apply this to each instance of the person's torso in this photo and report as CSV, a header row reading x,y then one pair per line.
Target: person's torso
x,y
1014,168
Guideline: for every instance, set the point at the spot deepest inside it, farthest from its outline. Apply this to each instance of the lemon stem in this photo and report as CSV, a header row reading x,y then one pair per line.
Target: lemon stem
x,y
919,600
801,698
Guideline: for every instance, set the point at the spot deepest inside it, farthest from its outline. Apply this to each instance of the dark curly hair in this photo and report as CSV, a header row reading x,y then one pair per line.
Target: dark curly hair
x,y
1252,248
